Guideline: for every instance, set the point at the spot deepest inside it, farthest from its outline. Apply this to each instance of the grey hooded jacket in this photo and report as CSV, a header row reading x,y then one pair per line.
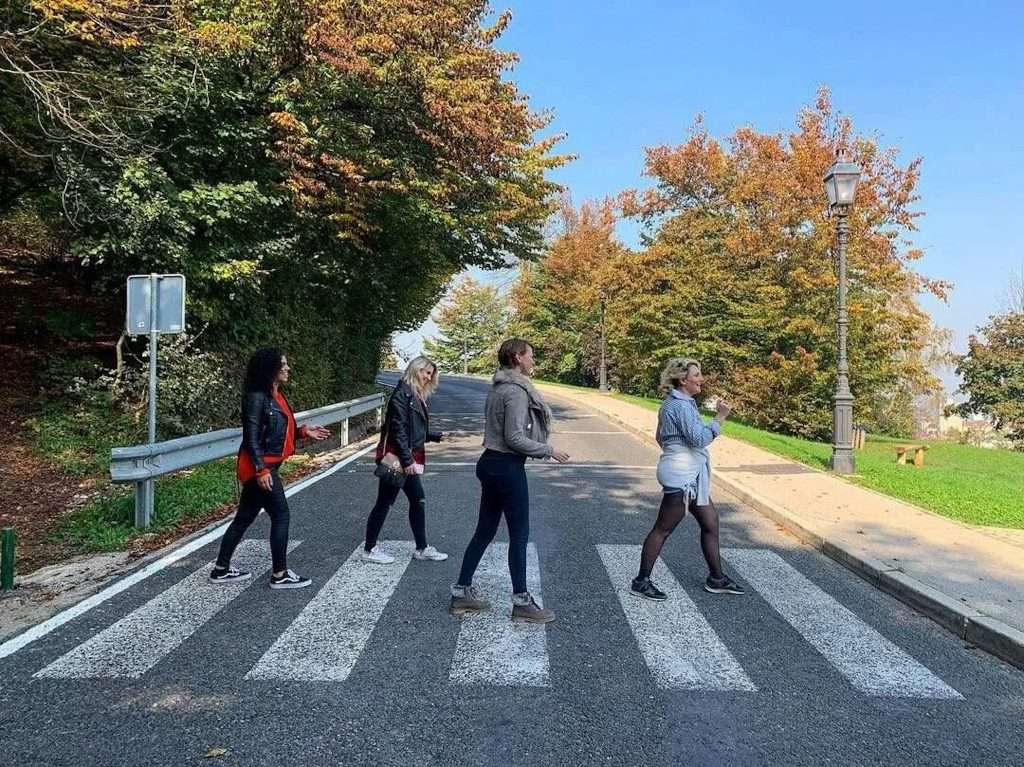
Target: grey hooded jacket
x,y
517,418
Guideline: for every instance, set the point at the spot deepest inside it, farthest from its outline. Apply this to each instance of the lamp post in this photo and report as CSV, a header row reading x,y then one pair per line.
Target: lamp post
x,y
841,186
603,376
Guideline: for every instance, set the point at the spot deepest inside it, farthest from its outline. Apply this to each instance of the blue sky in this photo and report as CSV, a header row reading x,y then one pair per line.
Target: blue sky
x,y
944,81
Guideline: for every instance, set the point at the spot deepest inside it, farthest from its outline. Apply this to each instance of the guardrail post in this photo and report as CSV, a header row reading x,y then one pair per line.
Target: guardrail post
x,y
380,418
144,491
7,560
344,432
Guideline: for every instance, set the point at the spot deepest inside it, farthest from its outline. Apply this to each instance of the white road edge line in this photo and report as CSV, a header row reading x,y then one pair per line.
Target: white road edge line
x,y
30,635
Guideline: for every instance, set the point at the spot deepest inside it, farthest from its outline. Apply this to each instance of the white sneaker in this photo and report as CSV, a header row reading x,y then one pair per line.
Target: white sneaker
x,y
430,553
377,555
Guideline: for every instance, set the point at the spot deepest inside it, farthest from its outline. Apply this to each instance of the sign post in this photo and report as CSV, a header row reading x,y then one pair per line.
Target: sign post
x,y
156,305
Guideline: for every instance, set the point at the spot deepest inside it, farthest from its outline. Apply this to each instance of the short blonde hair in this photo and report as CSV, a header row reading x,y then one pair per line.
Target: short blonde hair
x,y
412,376
675,372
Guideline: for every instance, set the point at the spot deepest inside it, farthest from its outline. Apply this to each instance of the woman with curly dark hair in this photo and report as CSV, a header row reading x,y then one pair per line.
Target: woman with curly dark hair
x,y
268,439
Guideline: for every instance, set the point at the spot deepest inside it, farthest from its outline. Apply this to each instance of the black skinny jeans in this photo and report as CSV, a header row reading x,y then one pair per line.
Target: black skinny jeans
x,y
253,499
503,490
386,496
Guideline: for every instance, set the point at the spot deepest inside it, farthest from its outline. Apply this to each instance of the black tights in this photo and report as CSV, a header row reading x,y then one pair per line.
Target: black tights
x,y
670,514
386,496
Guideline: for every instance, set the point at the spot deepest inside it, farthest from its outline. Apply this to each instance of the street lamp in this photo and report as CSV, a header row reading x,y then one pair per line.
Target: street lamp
x,y
603,377
841,186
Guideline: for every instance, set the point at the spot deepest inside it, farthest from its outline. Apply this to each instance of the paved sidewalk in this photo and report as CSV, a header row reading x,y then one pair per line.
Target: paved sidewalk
x,y
968,579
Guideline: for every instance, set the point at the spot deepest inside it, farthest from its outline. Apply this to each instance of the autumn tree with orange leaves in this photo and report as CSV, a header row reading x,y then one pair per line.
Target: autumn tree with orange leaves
x,y
737,270
557,301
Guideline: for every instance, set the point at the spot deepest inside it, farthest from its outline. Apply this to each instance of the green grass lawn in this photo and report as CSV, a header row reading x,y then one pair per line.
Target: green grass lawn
x,y
970,484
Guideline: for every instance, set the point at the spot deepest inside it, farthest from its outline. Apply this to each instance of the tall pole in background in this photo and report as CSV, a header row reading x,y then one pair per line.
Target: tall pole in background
x,y
603,375
841,186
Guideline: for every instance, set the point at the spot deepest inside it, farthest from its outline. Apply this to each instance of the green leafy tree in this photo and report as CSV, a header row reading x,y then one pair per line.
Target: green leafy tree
x,y
319,170
472,323
992,375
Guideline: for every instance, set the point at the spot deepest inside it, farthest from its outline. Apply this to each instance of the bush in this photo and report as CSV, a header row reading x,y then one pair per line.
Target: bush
x,y
788,395
197,391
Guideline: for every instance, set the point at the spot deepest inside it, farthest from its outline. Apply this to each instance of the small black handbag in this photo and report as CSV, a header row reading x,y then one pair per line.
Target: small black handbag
x,y
391,472
389,468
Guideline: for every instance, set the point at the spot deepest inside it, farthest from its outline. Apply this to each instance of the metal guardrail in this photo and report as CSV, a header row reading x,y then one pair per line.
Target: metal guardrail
x,y
141,464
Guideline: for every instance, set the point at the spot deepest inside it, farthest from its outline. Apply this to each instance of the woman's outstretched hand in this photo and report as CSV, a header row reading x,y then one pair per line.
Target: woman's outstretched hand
x,y
319,433
559,456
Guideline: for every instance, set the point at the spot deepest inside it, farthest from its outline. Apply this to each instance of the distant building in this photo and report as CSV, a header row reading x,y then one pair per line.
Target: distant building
x,y
931,422
976,429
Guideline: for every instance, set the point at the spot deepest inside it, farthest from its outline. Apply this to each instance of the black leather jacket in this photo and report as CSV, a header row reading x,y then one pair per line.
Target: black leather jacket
x,y
264,427
407,423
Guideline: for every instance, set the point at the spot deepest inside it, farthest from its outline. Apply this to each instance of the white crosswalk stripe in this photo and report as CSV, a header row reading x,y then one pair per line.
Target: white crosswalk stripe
x,y
326,639
681,649
871,663
137,642
491,649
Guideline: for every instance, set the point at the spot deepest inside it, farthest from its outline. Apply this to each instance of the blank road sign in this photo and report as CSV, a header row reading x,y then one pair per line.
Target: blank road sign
x,y
170,303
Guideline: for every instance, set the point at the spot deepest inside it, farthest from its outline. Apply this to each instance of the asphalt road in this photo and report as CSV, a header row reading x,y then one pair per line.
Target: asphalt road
x,y
812,667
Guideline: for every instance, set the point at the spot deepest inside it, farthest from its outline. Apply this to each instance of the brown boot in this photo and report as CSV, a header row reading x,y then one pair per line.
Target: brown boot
x,y
526,610
467,602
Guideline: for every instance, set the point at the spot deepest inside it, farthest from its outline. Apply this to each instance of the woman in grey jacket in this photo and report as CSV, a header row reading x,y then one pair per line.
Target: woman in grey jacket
x,y
517,425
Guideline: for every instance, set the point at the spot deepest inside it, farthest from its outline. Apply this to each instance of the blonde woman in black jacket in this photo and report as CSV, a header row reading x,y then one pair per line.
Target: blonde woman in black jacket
x,y
404,436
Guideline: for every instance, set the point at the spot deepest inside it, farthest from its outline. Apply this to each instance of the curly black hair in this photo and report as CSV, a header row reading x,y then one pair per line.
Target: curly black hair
x,y
263,368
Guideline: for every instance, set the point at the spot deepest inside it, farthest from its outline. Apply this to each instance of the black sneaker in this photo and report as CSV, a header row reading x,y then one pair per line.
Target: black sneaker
x,y
647,590
723,585
228,575
289,580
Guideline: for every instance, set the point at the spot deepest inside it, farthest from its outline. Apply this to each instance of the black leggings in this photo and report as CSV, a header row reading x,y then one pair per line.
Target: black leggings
x,y
386,496
253,499
503,490
670,514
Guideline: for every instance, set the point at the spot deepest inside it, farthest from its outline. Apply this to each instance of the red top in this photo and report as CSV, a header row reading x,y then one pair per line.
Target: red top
x,y
246,469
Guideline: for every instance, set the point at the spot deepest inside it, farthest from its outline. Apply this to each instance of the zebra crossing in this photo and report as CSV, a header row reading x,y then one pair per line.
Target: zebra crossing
x,y
678,644
137,642
680,647
493,650
324,642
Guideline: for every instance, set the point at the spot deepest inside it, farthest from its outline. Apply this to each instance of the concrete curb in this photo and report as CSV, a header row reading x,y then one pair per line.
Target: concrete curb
x,y
971,625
